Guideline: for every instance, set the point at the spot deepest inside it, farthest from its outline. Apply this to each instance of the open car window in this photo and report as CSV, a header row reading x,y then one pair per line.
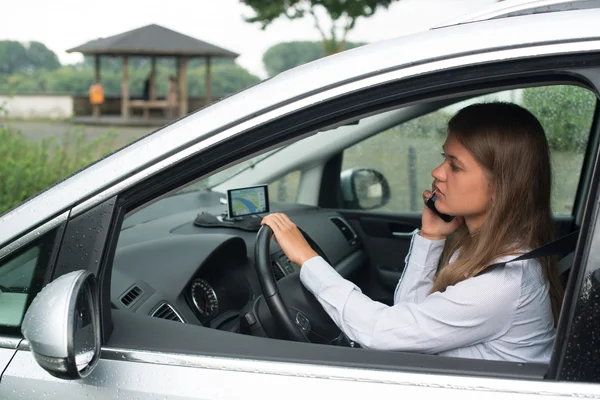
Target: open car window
x,y
407,153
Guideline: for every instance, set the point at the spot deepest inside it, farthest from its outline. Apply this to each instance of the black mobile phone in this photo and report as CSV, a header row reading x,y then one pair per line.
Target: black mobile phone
x,y
431,204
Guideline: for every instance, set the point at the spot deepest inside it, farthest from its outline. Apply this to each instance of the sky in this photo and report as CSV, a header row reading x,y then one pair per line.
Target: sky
x,y
63,24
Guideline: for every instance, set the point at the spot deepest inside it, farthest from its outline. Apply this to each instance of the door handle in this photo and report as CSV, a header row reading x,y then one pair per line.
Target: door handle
x,y
405,234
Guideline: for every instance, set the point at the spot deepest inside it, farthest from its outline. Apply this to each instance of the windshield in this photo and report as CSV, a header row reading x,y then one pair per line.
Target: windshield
x,y
222,176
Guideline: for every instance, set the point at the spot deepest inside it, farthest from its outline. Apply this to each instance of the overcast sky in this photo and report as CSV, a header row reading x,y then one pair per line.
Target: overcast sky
x,y
62,24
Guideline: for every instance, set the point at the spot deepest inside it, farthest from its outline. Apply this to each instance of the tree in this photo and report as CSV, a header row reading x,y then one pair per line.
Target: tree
x,y
40,57
13,57
342,15
16,57
287,55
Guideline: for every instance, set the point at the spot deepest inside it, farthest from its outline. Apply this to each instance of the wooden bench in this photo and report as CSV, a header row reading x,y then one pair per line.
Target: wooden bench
x,y
146,105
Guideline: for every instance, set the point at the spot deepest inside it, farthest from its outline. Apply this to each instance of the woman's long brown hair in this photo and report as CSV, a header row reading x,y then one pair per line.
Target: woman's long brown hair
x,y
510,144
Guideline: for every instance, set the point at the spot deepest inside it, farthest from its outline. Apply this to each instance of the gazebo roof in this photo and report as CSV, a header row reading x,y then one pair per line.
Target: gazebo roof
x,y
152,40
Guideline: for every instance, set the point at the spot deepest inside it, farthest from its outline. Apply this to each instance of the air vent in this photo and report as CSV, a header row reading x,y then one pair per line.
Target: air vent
x,y
166,311
277,272
345,229
130,297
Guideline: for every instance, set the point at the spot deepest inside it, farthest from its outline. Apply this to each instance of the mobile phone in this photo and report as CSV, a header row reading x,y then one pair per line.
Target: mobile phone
x,y
431,204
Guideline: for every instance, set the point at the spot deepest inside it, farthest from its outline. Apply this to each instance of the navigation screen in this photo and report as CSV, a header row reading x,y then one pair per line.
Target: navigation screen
x,y
247,201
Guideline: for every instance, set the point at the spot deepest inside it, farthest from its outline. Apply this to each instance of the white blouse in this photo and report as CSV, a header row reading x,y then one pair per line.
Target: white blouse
x,y
501,315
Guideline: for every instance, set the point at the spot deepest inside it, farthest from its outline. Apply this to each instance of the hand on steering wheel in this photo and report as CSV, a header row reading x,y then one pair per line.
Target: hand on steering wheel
x,y
289,238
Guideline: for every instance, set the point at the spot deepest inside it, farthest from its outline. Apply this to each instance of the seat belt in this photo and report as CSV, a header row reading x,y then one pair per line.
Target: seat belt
x,y
564,245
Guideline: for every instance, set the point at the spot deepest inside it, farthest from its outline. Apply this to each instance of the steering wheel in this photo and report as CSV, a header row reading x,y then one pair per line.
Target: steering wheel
x,y
297,313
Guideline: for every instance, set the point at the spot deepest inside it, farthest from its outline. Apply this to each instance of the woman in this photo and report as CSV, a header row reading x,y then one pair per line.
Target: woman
x,y
495,180
172,96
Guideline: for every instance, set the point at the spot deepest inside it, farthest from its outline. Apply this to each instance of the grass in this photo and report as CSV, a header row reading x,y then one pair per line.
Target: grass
x,y
27,167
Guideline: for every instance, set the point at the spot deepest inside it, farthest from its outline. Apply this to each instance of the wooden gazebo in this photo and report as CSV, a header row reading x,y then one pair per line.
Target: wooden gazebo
x,y
153,41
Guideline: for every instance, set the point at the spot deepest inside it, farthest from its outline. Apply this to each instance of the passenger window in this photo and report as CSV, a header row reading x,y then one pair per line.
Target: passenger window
x,y
567,114
21,278
285,189
407,153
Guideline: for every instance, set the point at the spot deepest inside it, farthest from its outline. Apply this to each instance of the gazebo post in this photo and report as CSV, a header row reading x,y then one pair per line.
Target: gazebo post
x,y
96,107
125,89
153,79
208,83
182,97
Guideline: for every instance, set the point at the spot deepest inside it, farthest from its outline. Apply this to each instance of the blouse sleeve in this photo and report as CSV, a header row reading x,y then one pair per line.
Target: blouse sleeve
x,y
473,311
419,271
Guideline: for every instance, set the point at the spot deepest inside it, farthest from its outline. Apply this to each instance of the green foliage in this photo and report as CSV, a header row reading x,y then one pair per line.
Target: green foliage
x,y
16,57
28,167
13,56
226,79
269,10
108,63
565,112
343,15
287,55
40,57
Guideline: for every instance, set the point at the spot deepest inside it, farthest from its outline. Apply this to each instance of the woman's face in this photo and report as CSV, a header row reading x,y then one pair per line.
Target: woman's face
x,y
463,188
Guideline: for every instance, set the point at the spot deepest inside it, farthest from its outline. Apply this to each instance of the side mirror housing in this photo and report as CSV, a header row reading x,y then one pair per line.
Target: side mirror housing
x,y
364,188
62,326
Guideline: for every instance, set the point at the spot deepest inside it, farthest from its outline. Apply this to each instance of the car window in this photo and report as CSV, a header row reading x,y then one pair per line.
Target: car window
x,y
222,176
21,278
407,153
285,189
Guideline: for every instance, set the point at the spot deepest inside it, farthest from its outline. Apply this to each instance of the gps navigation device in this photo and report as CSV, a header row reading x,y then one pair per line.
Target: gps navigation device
x,y
247,201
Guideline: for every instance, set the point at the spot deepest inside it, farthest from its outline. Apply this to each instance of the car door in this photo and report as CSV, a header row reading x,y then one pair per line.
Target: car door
x,y
141,358
26,265
144,356
407,153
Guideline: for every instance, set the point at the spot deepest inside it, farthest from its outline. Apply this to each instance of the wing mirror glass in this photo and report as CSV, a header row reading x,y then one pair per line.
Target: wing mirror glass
x,y
364,188
62,326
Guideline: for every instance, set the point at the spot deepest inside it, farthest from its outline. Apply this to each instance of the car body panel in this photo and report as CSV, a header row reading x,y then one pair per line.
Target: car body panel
x,y
150,375
8,348
323,76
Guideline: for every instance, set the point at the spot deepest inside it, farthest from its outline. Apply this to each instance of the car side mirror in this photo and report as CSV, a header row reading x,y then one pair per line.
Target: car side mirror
x,y
364,188
62,326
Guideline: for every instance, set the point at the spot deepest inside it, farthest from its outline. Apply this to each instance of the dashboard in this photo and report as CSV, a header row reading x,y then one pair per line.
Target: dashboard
x,y
168,265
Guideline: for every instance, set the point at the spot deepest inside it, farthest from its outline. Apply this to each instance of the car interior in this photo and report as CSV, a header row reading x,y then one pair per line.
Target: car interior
x,y
193,273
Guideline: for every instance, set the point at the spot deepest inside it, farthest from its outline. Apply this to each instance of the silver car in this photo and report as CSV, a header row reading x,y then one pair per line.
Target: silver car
x,y
145,274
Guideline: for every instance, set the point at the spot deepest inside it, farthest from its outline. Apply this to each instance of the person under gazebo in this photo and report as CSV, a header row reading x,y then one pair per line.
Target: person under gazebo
x,y
172,96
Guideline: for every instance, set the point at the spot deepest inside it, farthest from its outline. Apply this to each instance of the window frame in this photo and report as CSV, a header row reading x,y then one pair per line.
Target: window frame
x,y
49,237
305,122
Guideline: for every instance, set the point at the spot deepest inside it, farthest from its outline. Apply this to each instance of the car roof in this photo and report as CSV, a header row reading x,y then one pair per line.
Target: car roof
x,y
515,8
298,83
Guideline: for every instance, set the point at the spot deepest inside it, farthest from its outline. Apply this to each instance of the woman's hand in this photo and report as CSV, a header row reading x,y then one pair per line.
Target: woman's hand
x,y
432,226
289,238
